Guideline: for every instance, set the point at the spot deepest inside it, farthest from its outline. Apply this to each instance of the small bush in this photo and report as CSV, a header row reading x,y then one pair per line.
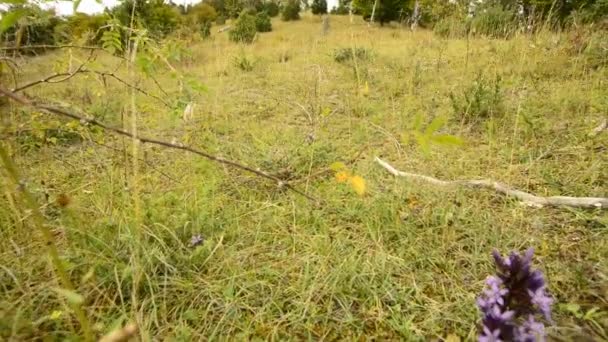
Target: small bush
x,y
205,29
271,8
494,22
595,53
244,29
346,54
202,12
221,20
291,11
452,27
482,100
243,63
262,22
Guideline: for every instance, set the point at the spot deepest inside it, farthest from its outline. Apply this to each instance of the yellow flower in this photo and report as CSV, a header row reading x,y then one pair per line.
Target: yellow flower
x,y
358,184
342,176
56,314
365,89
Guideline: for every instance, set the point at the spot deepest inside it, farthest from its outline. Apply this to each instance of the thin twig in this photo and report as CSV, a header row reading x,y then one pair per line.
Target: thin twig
x,y
50,47
63,112
526,198
161,172
81,69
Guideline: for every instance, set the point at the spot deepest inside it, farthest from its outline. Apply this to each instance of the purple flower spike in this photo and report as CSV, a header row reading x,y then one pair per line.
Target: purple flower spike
x,y
515,292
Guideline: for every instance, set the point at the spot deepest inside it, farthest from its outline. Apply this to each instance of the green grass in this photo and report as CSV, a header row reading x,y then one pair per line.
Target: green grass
x,y
405,261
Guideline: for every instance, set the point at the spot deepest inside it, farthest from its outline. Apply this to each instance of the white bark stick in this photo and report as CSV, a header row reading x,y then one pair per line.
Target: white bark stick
x,y
526,198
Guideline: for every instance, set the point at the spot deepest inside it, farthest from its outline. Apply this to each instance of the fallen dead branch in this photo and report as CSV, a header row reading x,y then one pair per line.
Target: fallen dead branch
x,y
524,197
603,126
91,121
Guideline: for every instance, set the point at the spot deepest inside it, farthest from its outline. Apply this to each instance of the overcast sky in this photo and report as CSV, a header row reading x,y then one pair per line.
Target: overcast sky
x,y
91,6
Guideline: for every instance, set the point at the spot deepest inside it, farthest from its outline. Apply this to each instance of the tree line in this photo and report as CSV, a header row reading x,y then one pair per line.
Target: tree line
x,y
27,24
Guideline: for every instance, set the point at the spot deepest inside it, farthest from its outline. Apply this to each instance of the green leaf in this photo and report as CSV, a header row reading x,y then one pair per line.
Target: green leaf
x,y
446,139
13,2
195,85
9,19
76,4
418,122
71,296
591,313
337,166
436,124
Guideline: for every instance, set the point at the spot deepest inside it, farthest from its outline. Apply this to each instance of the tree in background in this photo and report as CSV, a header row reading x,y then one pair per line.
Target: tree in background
x,y
81,25
319,7
291,10
386,10
34,27
157,17
271,8
244,29
262,22
201,12
343,7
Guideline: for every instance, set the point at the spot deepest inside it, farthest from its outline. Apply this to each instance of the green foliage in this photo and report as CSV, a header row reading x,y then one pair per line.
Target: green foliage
x,y
344,55
319,7
233,8
339,10
243,63
111,39
452,27
29,25
271,8
81,25
244,29
386,10
221,20
481,100
595,53
291,10
262,22
205,29
201,13
424,137
158,18
494,22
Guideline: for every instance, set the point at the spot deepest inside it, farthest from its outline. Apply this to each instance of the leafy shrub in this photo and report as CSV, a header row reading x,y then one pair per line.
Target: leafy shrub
x,y
33,27
202,12
243,63
347,54
319,7
595,53
159,18
451,27
81,25
291,11
205,29
481,100
271,8
494,22
244,29
221,20
262,22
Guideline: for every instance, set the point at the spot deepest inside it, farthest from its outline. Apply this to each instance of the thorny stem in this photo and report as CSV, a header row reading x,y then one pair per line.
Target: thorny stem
x,y
49,240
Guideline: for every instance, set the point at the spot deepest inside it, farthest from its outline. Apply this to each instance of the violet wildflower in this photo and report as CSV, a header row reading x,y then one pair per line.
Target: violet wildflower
x,y
196,240
512,299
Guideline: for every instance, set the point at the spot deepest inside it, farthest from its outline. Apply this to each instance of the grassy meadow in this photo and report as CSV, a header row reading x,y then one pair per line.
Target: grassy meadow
x,y
405,261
